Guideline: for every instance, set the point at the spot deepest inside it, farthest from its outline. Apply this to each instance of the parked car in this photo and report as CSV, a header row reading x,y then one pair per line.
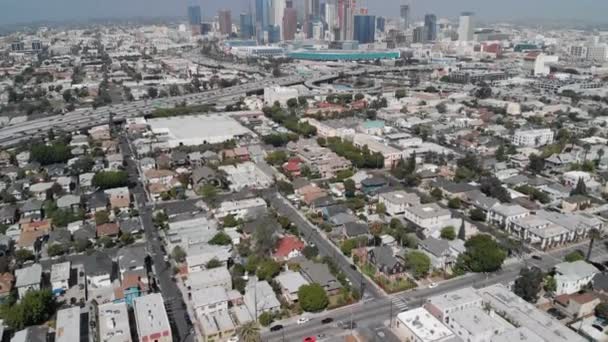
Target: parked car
x,y
303,320
327,320
276,327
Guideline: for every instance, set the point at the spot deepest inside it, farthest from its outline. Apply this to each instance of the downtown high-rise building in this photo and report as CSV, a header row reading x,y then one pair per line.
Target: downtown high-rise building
x,y
262,8
466,29
331,18
430,25
315,8
194,19
276,12
225,21
290,23
404,16
346,15
247,26
365,28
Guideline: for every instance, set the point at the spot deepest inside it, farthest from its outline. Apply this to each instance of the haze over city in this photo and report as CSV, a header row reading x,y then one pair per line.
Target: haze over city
x,y
303,171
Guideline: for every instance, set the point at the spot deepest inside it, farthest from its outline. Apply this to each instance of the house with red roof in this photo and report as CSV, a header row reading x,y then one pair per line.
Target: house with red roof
x,y
293,167
288,247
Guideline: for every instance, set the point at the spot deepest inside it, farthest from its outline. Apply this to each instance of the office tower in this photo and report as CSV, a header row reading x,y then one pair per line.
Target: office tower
x,y
330,16
261,13
194,19
225,21
289,4
316,9
274,34
380,24
465,27
420,34
346,23
404,15
247,26
365,29
278,8
290,24
430,24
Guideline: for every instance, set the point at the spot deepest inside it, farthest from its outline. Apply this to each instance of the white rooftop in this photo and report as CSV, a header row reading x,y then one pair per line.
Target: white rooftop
x,y
114,323
150,315
60,272
67,327
424,325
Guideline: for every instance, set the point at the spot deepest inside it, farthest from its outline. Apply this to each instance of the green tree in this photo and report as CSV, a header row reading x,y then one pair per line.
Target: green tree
x,y
178,254
101,217
349,188
437,194
312,298
209,192
56,249
110,179
22,255
230,221
448,233
50,154
536,164
277,158
127,239
483,254
550,284
454,203
213,263
381,209
268,269
462,233
477,214
221,239
528,285
249,332
266,318
285,188
310,252
601,310
580,189
574,256
35,307
418,263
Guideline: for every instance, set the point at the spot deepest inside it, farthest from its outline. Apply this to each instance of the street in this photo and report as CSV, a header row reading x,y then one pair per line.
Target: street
x,y
176,309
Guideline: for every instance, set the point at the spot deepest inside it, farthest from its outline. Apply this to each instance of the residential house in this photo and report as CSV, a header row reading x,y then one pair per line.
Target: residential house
x,y
179,158
159,176
355,229
115,161
242,209
151,318
32,209
455,190
319,273
98,268
120,198
60,277
28,278
85,181
443,253
32,233
577,305
113,322
575,203
290,282
373,184
69,203
208,301
66,183
385,261
147,163
132,259
397,201
110,229
503,214
428,216
36,333
41,190
259,298
572,277
288,247
8,214
219,276
97,201
67,325
444,305
204,175
130,225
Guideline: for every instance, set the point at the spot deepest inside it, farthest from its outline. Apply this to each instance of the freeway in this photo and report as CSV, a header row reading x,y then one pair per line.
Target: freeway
x,y
371,312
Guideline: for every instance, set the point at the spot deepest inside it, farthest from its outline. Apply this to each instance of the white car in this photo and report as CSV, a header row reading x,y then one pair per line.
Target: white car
x,y
303,320
432,285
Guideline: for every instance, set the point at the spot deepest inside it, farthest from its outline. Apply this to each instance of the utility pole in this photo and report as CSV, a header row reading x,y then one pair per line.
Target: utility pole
x,y
390,322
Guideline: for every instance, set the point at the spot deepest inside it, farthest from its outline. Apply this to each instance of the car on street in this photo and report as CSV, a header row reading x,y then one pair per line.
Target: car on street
x,y
347,325
303,320
537,257
310,339
432,285
276,327
556,313
327,320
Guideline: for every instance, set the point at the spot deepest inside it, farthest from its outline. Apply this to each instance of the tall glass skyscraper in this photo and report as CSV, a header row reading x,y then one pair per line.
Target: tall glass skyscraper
x,y
365,29
430,24
247,26
262,8
194,15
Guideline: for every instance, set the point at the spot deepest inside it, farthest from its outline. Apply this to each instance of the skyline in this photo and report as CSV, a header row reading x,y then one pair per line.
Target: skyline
x,y
27,11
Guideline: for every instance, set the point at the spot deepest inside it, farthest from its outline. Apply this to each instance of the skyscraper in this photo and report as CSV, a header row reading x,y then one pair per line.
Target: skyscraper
x,y
430,24
247,26
404,15
346,19
261,13
365,28
380,24
276,12
465,27
420,34
316,9
290,23
331,16
274,34
225,21
194,19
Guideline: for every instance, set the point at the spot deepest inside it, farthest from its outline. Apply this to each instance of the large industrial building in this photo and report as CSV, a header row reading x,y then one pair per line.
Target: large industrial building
x,y
197,129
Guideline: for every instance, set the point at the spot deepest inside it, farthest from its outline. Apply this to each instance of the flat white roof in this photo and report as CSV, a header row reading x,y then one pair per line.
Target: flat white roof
x,y
150,315
195,129
114,323
67,328
60,272
424,325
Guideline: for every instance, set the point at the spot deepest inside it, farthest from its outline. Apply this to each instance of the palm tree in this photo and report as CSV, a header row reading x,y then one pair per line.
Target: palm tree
x,y
600,154
587,148
249,332
593,235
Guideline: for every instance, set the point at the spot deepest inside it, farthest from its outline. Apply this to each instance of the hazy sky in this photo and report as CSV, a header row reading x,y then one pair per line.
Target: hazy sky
x,y
17,11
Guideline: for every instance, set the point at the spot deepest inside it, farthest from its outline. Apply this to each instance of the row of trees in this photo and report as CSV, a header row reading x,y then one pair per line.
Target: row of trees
x,y
361,158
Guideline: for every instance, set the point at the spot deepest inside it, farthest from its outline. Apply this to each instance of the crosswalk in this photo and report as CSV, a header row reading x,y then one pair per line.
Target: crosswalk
x,y
400,305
